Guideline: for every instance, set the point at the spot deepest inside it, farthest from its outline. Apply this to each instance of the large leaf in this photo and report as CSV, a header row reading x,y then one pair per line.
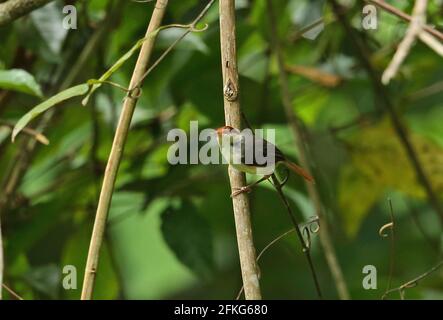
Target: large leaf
x,y
42,107
189,236
21,81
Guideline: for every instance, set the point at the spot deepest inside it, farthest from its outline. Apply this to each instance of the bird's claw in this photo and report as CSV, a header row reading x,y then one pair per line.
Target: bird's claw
x,y
241,190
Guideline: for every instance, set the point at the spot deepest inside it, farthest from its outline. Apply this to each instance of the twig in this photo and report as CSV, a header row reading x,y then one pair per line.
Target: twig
x,y
299,135
363,54
116,155
23,159
13,9
191,27
413,283
29,131
415,218
434,88
269,245
11,292
306,227
427,33
119,142
2,263
305,245
318,76
299,33
246,249
393,10
414,29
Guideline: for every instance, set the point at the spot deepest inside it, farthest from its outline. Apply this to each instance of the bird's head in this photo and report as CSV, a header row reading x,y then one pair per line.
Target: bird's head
x,y
226,131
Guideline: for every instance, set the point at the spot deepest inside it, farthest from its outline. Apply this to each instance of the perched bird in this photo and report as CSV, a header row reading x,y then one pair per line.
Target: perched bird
x,y
249,153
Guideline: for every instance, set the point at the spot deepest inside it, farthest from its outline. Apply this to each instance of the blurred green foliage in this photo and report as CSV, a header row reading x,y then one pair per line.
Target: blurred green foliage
x,y
171,231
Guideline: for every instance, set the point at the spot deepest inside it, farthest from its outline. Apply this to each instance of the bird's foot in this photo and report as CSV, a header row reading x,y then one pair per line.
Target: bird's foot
x,y
245,189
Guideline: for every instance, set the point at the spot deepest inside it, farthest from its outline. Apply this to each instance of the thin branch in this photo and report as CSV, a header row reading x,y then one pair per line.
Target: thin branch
x,y
364,55
431,42
299,33
299,135
29,131
391,227
304,244
392,246
414,282
14,9
23,159
2,262
316,75
191,27
116,155
393,10
413,31
305,228
433,89
242,216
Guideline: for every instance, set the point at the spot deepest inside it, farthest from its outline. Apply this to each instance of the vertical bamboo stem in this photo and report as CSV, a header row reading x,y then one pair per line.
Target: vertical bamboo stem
x,y
240,203
117,152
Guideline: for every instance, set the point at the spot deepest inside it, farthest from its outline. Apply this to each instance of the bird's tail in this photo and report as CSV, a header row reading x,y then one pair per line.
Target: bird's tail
x,y
299,170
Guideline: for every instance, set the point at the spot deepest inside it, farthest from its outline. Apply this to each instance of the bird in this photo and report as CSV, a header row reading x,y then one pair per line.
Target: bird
x,y
249,153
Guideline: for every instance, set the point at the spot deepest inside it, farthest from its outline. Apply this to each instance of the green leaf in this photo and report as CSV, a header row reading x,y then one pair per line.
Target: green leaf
x,y
189,236
21,81
355,204
75,253
42,107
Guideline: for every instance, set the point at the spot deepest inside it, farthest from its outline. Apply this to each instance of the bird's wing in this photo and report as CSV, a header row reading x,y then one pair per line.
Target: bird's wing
x,y
258,152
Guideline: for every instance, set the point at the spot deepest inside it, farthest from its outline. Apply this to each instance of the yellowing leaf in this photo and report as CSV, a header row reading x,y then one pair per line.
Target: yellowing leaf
x,y
357,194
379,162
